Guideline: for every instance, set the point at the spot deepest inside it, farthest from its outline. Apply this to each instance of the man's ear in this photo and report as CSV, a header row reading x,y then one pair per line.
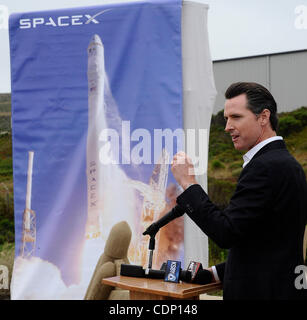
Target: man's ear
x,y
265,116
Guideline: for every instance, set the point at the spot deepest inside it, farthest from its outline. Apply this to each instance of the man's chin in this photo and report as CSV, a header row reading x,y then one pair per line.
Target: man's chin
x,y
238,146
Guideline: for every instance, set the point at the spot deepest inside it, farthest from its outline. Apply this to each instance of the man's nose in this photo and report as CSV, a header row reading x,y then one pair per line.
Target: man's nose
x,y
228,126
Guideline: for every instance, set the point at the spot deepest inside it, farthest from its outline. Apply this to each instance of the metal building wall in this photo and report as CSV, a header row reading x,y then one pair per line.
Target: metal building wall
x,y
284,74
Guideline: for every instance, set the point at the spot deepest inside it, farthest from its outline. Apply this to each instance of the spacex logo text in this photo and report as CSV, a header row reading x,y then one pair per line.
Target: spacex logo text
x,y
62,21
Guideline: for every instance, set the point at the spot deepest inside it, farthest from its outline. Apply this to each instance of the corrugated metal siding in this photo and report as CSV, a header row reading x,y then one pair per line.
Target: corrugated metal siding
x,y
285,75
289,80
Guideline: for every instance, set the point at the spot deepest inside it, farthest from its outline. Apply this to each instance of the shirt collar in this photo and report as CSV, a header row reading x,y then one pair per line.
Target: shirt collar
x,y
247,157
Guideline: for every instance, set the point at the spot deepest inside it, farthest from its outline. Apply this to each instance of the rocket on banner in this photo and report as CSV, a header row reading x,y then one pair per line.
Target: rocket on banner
x,y
107,183
110,197
96,123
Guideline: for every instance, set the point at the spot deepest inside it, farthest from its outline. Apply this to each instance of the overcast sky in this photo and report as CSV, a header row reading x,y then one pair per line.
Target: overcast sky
x,y
237,28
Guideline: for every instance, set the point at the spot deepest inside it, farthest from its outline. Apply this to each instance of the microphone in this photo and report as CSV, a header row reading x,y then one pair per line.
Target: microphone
x,y
203,277
173,214
198,274
138,272
194,267
172,271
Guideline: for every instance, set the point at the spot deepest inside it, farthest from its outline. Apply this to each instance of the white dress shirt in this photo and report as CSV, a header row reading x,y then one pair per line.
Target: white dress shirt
x,y
249,155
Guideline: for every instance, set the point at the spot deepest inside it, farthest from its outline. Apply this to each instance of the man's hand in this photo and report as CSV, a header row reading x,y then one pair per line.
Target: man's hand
x,y
183,170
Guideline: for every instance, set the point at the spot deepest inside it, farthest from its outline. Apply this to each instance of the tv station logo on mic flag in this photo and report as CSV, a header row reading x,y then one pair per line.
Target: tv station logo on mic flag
x,y
172,271
194,267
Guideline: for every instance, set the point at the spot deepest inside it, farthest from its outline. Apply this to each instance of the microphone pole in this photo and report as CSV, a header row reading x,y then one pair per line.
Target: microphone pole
x,y
151,249
155,227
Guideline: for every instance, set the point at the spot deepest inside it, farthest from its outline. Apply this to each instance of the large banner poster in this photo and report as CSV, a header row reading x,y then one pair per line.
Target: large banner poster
x,y
97,117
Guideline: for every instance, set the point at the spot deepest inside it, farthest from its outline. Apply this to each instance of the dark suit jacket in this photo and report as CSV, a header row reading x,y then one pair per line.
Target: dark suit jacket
x,y
263,226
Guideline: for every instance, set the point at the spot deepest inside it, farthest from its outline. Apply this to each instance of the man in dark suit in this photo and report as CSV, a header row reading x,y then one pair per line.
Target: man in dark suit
x,y
263,225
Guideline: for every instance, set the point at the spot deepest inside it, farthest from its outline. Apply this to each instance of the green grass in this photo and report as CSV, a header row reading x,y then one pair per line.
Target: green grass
x,y
6,147
5,123
5,113
6,165
5,107
6,190
5,97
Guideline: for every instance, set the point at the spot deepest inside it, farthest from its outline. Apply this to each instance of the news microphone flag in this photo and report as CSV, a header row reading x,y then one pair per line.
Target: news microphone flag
x,y
194,267
172,271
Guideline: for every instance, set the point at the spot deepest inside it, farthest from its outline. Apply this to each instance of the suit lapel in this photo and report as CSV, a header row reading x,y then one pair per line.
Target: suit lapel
x,y
274,145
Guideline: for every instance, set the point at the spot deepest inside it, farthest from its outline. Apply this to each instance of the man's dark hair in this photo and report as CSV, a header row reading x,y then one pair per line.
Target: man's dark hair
x,y
258,99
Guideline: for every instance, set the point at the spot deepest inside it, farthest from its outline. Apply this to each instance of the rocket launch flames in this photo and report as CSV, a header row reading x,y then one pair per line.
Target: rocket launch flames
x,y
153,203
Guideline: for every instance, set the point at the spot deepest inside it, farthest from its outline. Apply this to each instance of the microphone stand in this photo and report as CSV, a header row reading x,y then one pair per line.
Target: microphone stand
x,y
138,271
151,248
151,231
155,227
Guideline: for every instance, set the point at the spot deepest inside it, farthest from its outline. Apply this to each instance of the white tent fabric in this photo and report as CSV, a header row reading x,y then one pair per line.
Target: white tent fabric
x,y
199,95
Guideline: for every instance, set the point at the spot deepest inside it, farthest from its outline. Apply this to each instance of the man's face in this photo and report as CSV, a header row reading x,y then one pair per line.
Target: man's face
x,y
241,123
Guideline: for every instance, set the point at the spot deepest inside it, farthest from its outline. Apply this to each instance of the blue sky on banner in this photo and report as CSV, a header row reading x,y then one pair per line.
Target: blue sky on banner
x,y
51,118
236,28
